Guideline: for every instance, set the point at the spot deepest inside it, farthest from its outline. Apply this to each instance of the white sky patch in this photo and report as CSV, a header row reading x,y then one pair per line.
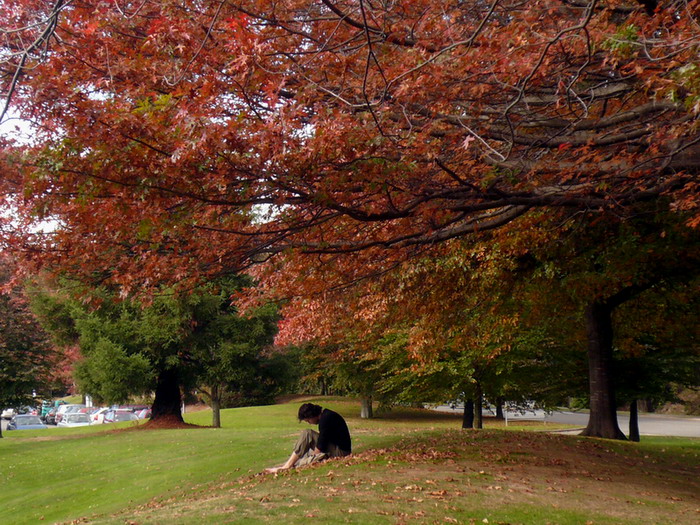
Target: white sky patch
x,y
20,130
16,128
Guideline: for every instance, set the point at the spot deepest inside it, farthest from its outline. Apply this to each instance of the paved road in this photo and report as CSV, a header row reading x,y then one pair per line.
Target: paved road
x,y
649,424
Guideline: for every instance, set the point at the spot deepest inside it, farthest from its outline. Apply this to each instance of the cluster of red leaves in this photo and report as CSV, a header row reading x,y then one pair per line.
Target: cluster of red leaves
x,y
163,132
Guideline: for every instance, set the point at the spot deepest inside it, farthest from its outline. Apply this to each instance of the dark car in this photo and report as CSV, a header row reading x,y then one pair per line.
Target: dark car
x,y
25,422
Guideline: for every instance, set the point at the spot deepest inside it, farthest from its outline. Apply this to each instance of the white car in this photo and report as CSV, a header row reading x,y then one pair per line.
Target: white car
x,y
67,409
8,413
98,416
75,419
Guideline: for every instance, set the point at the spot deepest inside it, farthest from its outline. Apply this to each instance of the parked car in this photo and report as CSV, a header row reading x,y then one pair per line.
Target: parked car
x,y
75,419
115,416
8,413
50,417
67,409
25,422
98,416
48,406
143,413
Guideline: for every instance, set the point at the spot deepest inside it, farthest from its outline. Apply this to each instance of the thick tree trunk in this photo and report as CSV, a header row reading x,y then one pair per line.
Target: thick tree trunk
x,y
602,421
168,401
634,421
468,414
478,402
366,411
215,406
499,408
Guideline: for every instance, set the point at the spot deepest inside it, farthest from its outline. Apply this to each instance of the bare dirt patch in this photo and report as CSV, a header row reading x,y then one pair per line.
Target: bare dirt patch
x,y
168,423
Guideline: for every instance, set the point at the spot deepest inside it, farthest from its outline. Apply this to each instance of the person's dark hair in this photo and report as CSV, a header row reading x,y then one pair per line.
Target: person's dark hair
x,y
308,411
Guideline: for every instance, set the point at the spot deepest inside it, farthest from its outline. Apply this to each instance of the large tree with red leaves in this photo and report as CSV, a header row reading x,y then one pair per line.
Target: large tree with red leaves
x,y
369,131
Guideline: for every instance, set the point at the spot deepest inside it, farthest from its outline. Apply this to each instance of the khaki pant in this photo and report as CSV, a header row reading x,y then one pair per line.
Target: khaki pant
x,y
305,446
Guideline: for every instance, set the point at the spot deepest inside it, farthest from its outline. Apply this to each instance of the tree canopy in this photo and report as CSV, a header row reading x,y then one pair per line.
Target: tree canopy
x,y
178,140
160,128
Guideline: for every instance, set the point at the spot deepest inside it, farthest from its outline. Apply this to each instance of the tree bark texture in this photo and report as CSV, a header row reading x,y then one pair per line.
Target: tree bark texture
x,y
602,421
634,421
468,414
168,401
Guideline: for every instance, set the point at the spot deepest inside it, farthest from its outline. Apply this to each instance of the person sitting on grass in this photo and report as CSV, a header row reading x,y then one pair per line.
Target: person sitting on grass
x,y
331,441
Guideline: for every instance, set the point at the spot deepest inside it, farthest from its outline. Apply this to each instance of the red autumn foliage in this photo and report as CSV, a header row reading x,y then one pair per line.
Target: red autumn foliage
x,y
368,132
161,128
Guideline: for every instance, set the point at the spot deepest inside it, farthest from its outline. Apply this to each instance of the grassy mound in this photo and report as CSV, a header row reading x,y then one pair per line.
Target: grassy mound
x,y
409,467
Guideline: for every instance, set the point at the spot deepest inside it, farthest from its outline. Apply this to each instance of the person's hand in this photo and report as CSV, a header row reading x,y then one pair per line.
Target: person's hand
x,y
273,470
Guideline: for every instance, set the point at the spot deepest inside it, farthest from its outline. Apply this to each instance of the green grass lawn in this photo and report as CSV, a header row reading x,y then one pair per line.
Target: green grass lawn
x,y
408,467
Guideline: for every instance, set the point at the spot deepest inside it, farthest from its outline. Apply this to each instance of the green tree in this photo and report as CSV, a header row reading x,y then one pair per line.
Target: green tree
x,y
652,360
175,342
600,269
27,356
229,349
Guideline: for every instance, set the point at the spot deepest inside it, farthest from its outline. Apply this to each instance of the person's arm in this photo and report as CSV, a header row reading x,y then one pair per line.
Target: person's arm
x,y
325,424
